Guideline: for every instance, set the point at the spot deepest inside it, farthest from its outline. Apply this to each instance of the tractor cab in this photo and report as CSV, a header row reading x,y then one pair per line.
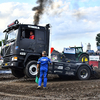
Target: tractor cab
x,y
76,53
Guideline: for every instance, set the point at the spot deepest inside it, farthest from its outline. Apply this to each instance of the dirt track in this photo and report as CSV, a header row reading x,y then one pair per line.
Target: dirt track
x,y
12,88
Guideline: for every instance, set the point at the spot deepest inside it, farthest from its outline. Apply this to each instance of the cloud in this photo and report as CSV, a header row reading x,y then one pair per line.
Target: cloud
x,y
84,0
11,11
73,24
78,21
69,26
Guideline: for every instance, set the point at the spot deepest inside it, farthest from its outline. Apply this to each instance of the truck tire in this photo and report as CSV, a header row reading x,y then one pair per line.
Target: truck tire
x,y
18,73
83,73
31,69
84,58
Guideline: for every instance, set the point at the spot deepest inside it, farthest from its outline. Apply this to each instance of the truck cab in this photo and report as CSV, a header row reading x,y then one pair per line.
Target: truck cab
x,y
20,53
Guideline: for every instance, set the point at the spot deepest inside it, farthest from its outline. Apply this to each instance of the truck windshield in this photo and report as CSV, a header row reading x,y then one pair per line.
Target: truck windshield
x,y
11,35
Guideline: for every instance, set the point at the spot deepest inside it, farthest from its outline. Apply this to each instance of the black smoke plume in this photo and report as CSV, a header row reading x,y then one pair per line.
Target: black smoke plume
x,y
39,10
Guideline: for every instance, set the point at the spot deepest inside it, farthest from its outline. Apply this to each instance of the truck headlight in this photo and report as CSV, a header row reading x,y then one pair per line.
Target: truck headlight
x,y
14,58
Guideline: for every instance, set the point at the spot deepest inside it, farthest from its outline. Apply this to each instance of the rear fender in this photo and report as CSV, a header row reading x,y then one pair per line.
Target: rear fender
x,y
82,54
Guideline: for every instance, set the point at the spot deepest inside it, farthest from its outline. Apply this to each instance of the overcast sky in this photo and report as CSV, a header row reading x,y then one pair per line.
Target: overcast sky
x,y
72,21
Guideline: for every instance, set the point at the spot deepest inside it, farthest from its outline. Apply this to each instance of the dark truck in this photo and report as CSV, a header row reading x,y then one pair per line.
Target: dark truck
x,y
20,53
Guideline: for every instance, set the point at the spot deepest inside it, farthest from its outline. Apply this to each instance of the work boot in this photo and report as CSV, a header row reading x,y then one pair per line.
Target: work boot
x,y
45,87
39,87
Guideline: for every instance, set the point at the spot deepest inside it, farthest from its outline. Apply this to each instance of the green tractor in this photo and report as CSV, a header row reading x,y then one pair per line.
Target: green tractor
x,y
76,53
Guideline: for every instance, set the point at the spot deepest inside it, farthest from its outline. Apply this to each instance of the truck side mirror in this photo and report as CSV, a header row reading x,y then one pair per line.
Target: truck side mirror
x,y
48,26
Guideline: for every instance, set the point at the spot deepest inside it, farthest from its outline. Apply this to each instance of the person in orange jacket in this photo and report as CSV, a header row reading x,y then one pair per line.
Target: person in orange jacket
x,y
31,35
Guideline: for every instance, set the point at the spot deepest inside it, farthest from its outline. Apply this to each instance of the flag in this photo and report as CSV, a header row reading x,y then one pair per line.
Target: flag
x,y
37,76
37,79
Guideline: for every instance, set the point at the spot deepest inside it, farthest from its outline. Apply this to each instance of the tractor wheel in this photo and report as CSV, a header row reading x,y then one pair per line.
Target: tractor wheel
x,y
18,73
84,58
83,73
31,69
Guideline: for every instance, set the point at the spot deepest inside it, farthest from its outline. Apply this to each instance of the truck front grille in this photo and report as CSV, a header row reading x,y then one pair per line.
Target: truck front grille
x,y
7,59
7,50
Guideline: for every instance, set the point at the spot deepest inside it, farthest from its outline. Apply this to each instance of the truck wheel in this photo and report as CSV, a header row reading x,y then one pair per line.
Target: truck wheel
x,y
83,73
18,73
31,69
84,58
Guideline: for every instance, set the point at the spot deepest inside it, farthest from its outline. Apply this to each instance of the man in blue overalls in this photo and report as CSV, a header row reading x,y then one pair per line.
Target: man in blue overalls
x,y
43,62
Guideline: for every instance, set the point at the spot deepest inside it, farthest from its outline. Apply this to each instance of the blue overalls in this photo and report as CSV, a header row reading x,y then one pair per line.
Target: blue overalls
x,y
43,61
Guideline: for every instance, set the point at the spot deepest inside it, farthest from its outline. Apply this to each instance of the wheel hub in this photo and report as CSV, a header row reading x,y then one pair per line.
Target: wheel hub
x,y
84,73
33,69
84,59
